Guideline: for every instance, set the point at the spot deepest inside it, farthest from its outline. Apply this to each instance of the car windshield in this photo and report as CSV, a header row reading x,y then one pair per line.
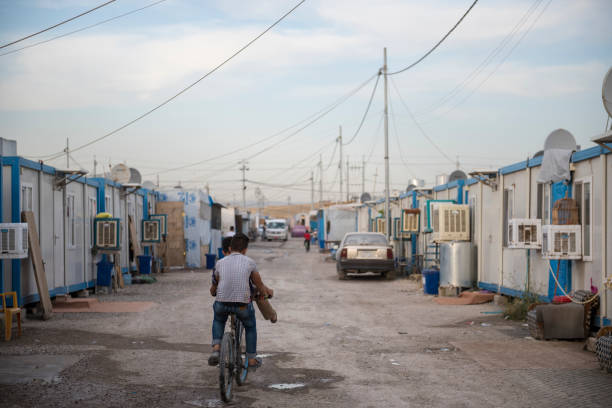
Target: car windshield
x,y
275,225
365,239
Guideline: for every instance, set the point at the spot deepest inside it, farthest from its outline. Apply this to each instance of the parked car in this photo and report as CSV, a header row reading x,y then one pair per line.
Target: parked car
x,y
277,230
298,231
361,252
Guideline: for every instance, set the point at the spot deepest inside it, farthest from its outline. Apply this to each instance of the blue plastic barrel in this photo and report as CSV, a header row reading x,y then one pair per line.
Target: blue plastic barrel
x,y
431,281
220,251
105,270
210,261
144,264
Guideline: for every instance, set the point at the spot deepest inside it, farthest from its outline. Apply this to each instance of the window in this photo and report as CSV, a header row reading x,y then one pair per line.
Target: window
x,y
583,195
27,194
544,204
70,218
508,211
92,210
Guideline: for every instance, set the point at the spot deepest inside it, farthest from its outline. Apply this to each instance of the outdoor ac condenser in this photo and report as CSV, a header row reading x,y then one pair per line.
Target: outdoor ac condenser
x,y
561,242
410,221
13,240
151,231
106,233
525,233
451,222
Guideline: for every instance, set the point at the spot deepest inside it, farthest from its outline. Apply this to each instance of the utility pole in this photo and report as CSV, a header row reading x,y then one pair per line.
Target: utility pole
x,y
347,179
311,190
244,169
387,200
320,180
95,166
340,162
375,177
67,154
362,175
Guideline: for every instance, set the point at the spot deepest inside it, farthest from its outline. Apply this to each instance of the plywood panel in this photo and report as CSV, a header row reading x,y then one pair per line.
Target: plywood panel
x,y
174,250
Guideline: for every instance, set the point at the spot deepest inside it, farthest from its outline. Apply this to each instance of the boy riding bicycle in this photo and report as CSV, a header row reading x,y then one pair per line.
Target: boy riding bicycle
x,y
235,280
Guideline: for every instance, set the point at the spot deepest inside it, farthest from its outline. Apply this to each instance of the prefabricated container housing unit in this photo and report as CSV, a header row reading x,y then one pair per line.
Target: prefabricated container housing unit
x,y
64,208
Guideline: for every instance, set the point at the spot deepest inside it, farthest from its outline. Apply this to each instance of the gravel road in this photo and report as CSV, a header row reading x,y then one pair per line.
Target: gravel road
x,y
364,342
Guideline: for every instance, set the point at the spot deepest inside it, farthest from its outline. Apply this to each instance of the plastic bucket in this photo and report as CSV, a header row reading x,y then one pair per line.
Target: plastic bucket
x,y
144,264
210,261
105,269
431,281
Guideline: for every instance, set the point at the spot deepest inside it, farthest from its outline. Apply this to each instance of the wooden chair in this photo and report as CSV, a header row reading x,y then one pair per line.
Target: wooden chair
x,y
8,314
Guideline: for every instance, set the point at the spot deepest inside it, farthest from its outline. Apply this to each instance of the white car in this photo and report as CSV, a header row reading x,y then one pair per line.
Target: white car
x,y
277,230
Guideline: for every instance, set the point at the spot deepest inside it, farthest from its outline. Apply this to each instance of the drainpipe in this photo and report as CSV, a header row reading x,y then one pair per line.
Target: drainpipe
x,y
527,277
480,243
501,233
604,235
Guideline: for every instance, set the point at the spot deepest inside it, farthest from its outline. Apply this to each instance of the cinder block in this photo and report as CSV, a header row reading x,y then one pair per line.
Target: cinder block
x,y
500,300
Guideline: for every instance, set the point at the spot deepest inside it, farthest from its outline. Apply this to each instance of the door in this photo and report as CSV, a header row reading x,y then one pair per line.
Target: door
x,y
58,239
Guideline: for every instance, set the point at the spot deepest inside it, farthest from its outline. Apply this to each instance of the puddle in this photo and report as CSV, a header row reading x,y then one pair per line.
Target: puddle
x,y
287,386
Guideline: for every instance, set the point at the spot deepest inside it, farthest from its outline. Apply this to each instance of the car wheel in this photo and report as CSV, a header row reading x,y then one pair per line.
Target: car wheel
x,y
341,274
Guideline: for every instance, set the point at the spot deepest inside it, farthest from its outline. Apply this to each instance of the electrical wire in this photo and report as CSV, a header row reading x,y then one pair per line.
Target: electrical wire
x,y
365,114
486,62
83,28
57,25
418,125
438,43
216,68
499,64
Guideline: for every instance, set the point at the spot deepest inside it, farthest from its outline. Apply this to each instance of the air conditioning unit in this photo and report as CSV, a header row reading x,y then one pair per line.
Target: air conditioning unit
x,y
151,231
410,221
163,222
380,225
525,233
107,233
14,240
561,242
451,222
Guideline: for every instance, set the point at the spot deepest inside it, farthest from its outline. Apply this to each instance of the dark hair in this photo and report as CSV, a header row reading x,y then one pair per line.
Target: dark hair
x,y
225,244
240,242
231,228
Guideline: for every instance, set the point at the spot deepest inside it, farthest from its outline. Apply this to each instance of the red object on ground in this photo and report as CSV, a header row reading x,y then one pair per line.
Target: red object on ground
x,y
561,299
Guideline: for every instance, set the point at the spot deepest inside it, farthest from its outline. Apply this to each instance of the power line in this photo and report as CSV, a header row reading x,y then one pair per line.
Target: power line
x,y
84,28
244,47
365,114
438,43
57,25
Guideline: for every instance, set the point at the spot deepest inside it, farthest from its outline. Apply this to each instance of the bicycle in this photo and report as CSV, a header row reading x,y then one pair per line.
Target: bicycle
x,y
233,363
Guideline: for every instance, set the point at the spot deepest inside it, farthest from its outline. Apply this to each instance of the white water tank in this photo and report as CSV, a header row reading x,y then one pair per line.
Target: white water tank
x,y
457,264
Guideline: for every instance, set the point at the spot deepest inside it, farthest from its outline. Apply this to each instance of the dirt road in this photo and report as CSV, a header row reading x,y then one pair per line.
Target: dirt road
x,y
364,342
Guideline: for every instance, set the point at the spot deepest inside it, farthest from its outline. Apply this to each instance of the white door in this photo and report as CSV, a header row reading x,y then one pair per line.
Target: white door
x,y
58,239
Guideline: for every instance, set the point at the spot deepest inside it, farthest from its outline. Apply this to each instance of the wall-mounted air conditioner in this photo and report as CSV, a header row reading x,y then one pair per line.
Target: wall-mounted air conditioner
x,y
107,233
525,233
163,222
14,240
451,222
411,220
151,231
561,242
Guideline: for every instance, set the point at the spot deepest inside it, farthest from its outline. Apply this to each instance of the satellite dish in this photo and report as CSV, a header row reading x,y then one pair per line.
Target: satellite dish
x,y
410,187
560,139
538,154
120,173
135,176
457,175
606,92
149,185
365,197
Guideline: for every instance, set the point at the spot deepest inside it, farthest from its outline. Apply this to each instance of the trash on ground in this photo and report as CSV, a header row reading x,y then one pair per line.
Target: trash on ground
x,y
485,324
287,386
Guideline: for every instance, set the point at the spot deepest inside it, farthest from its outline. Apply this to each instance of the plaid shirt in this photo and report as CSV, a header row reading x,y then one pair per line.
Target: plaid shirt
x,y
232,276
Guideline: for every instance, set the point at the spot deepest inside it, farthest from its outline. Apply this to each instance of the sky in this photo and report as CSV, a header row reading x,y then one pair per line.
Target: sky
x,y
510,74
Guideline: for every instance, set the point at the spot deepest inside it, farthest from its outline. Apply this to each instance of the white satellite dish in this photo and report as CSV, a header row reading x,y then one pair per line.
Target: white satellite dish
x,y
606,92
149,185
135,176
120,173
560,139
457,175
365,197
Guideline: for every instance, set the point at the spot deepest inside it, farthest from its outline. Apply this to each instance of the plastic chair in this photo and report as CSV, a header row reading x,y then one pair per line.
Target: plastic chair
x,y
8,314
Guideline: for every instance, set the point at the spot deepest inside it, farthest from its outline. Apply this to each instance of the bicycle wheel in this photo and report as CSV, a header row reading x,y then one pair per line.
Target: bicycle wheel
x,y
241,359
226,367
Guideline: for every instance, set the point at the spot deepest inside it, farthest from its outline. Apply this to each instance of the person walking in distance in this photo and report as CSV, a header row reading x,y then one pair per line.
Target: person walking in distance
x,y
231,284
307,240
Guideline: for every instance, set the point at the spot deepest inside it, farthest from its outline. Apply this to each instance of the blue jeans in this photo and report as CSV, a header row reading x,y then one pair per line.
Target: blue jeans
x,y
246,314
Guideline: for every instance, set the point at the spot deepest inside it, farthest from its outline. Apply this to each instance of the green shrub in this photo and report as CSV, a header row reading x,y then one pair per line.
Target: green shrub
x,y
518,308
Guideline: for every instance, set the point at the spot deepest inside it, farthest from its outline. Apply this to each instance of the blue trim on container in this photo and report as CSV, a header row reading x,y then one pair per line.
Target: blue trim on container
x,y
514,167
1,220
471,181
16,217
586,154
460,184
441,187
491,287
101,196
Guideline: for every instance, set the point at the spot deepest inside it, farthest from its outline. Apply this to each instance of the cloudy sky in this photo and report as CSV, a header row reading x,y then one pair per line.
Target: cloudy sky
x,y
511,73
